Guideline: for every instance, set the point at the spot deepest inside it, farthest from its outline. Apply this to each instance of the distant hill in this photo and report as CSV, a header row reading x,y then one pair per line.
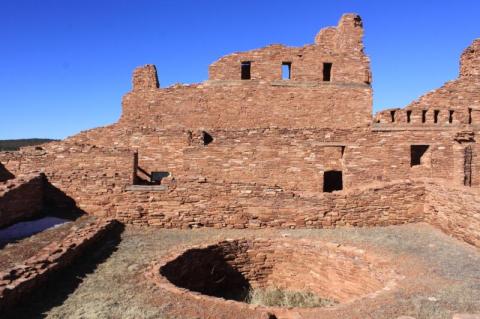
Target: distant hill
x,y
14,145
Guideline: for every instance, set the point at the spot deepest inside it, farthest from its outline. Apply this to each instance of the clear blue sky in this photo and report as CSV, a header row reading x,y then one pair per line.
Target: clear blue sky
x,y
65,64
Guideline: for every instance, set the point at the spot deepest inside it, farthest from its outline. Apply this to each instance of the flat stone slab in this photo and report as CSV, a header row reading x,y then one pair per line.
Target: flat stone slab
x,y
146,188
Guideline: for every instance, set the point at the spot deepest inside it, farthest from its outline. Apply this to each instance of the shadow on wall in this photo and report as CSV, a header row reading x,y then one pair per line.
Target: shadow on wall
x,y
60,285
5,175
58,204
46,206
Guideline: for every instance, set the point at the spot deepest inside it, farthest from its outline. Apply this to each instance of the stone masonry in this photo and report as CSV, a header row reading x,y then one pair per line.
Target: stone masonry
x,y
21,198
252,147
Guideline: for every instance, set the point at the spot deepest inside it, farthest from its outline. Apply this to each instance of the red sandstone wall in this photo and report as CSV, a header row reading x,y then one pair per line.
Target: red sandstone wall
x,y
195,199
272,142
448,117
249,105
21,198
462,96
342,46
470,60
266,100
455,210
87,174
217,204
293,159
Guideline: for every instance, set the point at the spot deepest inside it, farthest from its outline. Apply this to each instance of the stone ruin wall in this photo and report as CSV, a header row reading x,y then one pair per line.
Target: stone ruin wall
x,y
272,141
451,112
454,210
341,45
457,102
21,198
225,101
192,201
21,280
293,159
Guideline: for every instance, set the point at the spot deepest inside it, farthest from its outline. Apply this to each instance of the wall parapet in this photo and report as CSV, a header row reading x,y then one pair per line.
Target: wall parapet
x,y
426,117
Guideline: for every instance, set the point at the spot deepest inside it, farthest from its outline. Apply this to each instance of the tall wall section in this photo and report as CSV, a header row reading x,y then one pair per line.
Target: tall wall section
x,y
448,119
226,101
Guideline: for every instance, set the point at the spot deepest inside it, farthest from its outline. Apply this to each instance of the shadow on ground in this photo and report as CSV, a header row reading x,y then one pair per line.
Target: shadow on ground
x,y
63,283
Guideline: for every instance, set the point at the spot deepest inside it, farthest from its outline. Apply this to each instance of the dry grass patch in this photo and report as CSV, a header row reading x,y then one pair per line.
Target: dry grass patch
x,y
275,297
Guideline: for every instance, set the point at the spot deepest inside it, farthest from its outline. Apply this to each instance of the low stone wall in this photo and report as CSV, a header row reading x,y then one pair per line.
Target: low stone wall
x,y
216,204
21,198
20,280
454,210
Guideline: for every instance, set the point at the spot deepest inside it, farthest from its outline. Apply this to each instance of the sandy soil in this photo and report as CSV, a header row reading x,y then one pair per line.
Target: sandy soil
x,y
442,276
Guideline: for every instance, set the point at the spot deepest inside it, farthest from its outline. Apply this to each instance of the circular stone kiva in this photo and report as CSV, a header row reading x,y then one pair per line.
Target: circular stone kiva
x,y
229,269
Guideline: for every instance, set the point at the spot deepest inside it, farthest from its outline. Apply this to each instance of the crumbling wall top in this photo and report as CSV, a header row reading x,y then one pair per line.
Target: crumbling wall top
x,y
470,60
337,55
346,37
145,77
457,102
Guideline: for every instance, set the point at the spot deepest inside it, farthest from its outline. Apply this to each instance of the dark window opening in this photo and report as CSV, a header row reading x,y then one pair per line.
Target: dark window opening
x,y
332,181
327,71
424,116
469,116
392,115
450,117
286,70
416,154
435,116
246,66
207,138
409,116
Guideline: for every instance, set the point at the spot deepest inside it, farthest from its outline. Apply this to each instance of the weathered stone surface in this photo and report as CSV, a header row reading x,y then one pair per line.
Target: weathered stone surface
x,y
255,153
21,198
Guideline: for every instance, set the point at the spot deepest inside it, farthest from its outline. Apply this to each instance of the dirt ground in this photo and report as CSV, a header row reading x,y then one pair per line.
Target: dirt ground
x,y
442,276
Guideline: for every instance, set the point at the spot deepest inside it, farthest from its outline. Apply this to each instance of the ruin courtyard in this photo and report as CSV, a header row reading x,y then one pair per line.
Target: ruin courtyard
x,y
271,178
